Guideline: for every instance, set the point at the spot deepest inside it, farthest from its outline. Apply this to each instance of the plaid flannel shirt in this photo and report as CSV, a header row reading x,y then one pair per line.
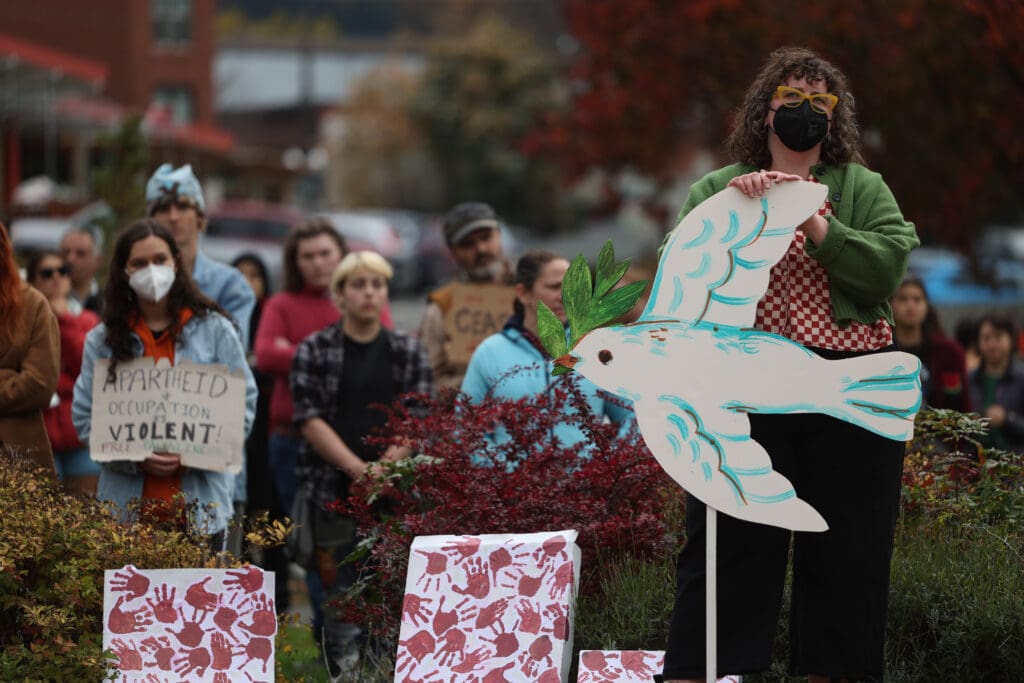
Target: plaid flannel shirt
x,y
315,382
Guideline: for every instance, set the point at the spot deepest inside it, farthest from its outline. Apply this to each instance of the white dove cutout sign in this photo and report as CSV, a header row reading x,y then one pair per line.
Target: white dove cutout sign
x,y
695,368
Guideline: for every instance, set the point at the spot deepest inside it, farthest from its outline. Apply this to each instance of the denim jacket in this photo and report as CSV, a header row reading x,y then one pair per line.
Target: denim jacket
x,y
210,339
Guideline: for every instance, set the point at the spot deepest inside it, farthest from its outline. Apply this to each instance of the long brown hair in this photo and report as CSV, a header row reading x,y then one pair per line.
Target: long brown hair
x,y
311,228
121,304
748,141
11,286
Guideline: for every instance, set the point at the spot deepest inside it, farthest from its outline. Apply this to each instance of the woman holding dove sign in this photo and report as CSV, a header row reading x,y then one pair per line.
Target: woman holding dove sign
x,y
154,310
829,293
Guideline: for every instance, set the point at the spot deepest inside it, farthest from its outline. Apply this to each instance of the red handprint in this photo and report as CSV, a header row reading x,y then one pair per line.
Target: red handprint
x,y
528,585
130,581
412,609
128,621
191,633
529,618
491,614
445,620
221,651
502,557
426,679
505,644
550,676
162,604
478,584
497,675
417,647
560,622
192,660
153,678
220,676
550,549
454,644
227,614
463,549
264,619
539,651
128,656
160,648
437,564
201,599
472,661
564,578
258,648
634,661
249,579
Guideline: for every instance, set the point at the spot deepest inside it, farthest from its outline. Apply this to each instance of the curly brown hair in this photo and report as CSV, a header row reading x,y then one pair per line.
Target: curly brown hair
x,y
748,141
311,228
121,304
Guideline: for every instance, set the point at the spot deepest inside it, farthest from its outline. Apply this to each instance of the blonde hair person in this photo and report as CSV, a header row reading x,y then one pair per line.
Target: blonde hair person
x,y
370,260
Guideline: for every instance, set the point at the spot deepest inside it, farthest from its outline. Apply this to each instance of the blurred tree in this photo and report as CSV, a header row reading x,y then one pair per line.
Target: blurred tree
x,y
120,178
482,93
379,155
939,87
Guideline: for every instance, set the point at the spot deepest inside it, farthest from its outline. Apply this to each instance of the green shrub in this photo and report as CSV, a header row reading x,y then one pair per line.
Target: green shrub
x,y
54,549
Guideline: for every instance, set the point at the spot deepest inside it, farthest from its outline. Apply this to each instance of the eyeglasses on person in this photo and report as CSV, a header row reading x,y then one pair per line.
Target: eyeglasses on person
x,y
823,102
47,273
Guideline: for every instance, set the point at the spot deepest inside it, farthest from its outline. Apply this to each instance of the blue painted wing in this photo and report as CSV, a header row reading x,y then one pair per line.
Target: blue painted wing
x,y
715,265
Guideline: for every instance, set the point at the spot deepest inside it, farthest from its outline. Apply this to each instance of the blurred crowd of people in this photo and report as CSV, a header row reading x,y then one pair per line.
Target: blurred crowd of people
x,y
319,359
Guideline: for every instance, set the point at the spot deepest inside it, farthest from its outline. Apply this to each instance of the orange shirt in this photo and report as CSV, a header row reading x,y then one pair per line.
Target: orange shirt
x,y
161,489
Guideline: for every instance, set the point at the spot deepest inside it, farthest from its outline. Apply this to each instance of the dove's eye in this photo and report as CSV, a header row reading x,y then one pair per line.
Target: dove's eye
x,y
605,356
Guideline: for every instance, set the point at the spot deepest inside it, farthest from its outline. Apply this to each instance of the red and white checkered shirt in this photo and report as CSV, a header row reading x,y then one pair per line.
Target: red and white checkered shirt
x,y
797,304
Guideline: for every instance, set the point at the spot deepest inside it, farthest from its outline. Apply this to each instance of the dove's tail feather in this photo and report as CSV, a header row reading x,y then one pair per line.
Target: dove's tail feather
x,y
880,392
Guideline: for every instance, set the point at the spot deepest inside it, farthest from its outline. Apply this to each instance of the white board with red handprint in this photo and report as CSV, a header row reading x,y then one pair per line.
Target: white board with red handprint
x,y
492,608
190,625
619,666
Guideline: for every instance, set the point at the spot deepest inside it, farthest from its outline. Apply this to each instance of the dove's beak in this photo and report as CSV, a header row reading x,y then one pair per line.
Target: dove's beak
x,y
567,361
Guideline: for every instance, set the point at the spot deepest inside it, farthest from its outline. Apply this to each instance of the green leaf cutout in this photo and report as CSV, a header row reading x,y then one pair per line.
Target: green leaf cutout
x,y
551,331
588,304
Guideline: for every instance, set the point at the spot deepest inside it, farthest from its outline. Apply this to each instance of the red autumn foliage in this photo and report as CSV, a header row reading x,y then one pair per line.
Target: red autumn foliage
x,y
617,497
939,84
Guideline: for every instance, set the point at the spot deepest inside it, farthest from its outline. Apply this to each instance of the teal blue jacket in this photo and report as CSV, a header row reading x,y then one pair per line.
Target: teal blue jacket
x,y
506,365
868,241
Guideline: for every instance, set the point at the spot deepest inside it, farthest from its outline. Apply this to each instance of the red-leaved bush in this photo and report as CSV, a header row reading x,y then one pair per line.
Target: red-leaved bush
x,y
609,489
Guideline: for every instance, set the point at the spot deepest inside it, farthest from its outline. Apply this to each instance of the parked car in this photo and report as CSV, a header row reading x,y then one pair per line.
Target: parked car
x,y
239,226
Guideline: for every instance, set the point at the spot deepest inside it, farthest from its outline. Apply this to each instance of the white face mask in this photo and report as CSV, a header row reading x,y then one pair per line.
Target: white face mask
x,y
152,282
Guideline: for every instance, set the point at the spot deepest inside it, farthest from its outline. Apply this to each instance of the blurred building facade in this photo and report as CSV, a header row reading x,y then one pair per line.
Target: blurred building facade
x,y
152,57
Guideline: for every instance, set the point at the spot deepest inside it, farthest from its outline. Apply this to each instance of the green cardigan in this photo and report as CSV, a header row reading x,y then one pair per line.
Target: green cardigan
x,y
865,250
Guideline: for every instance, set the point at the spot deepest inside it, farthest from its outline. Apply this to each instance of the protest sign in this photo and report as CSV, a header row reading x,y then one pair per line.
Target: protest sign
x,y
477,311
190,625
188,408
621,666
490,607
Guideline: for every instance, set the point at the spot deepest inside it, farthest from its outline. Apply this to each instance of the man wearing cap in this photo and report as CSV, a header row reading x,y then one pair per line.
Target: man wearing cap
x,y
473,236
174,199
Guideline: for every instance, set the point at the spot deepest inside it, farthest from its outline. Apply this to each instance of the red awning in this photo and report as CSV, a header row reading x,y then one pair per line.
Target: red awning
x,y
48,58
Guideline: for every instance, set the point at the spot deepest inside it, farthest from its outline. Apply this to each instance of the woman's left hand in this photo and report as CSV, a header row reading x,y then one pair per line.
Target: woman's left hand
x,y
996,415
162,464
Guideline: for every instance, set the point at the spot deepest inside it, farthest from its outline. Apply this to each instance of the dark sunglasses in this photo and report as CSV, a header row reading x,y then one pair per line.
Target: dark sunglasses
x,y
47,273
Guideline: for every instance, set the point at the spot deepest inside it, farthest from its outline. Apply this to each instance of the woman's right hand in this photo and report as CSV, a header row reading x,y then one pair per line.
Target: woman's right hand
x,y
162,464
757,183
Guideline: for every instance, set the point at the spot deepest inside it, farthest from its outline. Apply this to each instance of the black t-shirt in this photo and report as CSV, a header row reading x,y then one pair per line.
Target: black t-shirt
x,y
367,383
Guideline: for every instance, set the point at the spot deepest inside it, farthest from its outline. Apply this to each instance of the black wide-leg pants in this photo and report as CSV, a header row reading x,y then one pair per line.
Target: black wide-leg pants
x,y
840,577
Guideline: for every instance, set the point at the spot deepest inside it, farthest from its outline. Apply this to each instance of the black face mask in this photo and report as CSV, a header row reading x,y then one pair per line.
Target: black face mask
x,y
800,128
